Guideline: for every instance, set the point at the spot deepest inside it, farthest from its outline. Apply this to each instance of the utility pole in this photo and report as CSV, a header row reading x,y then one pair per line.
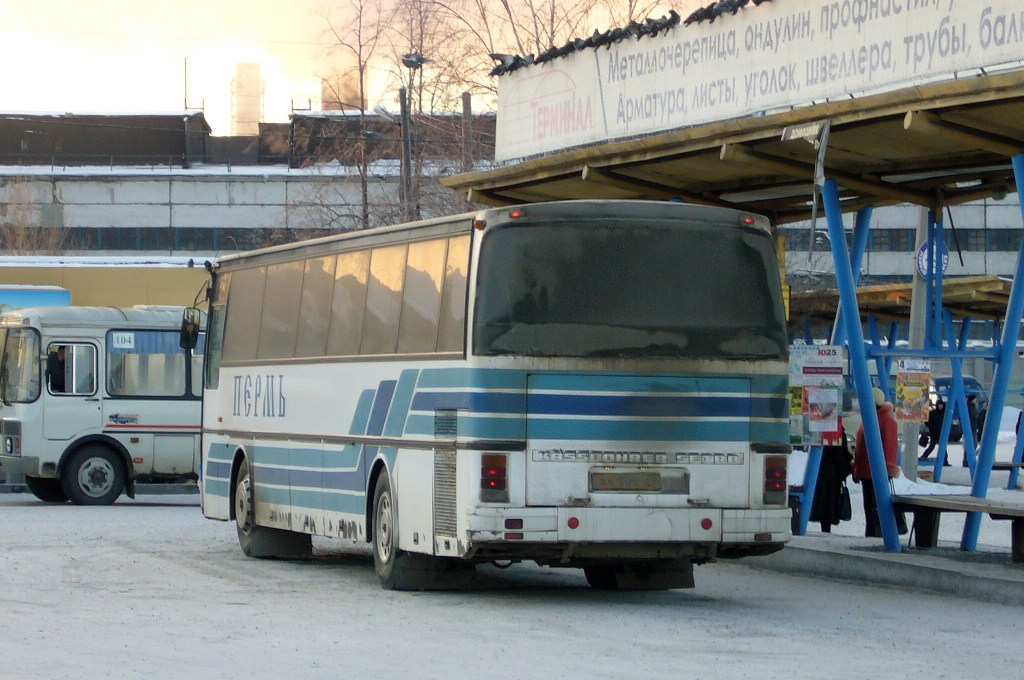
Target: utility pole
x,y
916,337
407,198
467,132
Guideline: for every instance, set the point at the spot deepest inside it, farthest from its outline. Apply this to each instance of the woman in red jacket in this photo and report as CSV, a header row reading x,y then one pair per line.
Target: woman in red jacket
x,y
862,468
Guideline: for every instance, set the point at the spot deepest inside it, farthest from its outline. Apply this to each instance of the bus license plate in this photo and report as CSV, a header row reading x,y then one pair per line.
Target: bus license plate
x,y
625,481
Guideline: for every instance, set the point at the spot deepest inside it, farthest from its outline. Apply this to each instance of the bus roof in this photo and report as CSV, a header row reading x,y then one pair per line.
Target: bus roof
x,y
593,209
96,317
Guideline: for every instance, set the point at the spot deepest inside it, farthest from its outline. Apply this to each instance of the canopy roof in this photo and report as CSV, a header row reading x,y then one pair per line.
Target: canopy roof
x,y
939,143
977,297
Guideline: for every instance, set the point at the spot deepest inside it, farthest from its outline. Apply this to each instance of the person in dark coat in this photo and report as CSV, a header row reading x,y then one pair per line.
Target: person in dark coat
x,y
933,427
862,466
55,369
836,465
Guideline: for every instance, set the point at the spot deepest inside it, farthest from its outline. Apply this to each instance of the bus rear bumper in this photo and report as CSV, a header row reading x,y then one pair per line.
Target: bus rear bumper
x,y
726,527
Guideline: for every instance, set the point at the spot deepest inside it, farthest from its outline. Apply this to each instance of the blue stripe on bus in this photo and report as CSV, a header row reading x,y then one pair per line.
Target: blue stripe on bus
x,y
584,382
472,427
478,402
395,423
636,406
769,432
216,487
493,379
361,417
216,468
642,406
610,430
381,404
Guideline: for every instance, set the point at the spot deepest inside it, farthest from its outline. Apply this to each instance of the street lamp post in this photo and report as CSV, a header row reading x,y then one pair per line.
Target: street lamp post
x,y
406,124
410,205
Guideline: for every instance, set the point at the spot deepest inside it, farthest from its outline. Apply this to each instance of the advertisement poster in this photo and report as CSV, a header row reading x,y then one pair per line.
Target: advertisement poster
x,y
816,388
822,409
913,378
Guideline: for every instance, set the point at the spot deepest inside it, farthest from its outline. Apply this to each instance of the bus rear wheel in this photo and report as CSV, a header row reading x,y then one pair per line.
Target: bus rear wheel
x,y
46,490
601,578
94,475
245,516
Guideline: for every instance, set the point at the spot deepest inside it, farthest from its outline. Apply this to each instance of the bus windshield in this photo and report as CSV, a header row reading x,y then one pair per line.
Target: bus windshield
x,y
638,289
19,365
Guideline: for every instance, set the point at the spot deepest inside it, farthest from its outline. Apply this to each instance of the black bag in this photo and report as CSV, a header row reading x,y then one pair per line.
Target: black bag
x,y
845,508
922,439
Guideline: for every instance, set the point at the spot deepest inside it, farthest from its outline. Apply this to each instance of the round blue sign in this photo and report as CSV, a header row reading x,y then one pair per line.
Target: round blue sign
x,y
922,258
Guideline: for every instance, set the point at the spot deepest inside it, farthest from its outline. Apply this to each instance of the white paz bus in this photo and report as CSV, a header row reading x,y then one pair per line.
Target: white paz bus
x,y
590,384
93,399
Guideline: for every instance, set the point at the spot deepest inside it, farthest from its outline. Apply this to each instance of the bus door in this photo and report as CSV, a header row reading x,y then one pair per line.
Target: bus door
x,y
73,403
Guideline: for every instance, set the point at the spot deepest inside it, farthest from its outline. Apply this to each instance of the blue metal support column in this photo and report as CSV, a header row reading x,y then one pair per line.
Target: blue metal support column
x,y
1000,380
956,400
858,360
1018,454
838,337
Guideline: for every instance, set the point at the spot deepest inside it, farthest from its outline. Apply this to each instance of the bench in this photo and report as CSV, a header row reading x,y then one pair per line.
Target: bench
x,y
928,509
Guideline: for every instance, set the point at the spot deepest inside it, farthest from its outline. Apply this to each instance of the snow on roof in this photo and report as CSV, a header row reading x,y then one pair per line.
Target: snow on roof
x,y
95,261
384,168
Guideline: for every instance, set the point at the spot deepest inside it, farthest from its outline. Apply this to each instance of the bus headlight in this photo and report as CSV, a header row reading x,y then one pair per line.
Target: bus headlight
x,y
8,445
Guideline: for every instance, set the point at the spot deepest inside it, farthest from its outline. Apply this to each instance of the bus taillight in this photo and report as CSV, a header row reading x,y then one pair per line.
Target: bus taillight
x,y
494,478
775,491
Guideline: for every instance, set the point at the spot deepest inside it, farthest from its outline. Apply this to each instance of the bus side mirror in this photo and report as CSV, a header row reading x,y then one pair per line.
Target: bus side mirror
x,y
189,336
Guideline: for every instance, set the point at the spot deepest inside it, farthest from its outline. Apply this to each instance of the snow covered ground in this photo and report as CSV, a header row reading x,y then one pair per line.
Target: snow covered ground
x,y
150,589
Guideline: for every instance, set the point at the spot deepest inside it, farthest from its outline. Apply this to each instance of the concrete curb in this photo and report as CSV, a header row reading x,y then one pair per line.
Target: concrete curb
x,y
140,489
916,570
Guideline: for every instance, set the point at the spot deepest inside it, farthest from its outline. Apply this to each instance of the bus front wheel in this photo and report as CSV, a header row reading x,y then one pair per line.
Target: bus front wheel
x,y
46,490
94,475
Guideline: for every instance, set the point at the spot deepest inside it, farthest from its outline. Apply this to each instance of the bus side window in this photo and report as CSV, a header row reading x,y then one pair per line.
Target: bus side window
x,y
71,369
56,368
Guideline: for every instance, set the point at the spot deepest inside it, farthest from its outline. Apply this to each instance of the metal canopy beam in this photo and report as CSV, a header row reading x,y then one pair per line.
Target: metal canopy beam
x,y
649,189
932,124
863,183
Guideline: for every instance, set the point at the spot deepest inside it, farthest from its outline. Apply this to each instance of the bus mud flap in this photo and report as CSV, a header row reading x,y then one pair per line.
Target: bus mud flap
x,y
281,544
423,572
655,575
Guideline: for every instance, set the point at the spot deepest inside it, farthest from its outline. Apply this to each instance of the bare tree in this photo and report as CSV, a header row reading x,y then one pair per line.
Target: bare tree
x,y
621,12
22,228
357,37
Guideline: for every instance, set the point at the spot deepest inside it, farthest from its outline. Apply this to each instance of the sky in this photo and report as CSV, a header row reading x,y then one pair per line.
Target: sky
x,y
127,56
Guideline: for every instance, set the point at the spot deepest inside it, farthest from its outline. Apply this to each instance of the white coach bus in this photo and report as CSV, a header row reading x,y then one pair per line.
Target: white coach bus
x,y
94,399
590,384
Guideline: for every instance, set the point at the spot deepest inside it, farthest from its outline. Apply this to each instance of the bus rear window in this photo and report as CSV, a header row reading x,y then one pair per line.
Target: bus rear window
x,y
646,289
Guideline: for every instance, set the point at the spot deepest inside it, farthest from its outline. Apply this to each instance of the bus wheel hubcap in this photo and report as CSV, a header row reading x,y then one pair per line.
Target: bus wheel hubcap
x,y
243,505
384,529
96,477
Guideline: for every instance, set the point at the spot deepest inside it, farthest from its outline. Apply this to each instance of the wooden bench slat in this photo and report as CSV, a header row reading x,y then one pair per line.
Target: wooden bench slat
x,y
962,503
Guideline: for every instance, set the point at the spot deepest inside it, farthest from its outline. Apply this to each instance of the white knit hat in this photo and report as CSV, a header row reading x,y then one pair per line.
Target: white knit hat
x,y
879,396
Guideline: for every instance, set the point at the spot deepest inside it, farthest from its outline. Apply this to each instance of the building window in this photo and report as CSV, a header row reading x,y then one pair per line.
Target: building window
x,y
1004,240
